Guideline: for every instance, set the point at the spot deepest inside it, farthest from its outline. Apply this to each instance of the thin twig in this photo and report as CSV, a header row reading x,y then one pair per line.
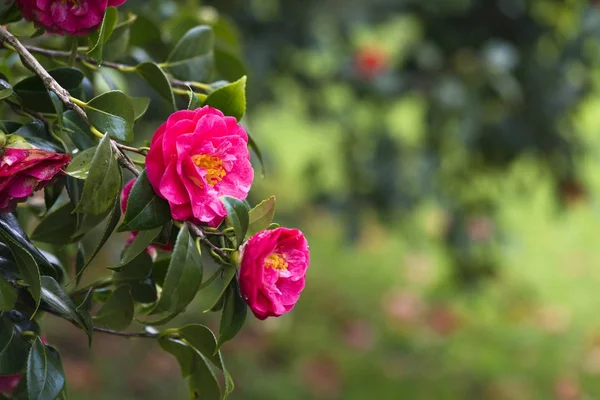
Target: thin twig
x,y
132,149
200,233
11,42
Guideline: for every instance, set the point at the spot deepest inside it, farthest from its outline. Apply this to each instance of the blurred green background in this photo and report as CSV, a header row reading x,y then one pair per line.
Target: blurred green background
x,y
443,159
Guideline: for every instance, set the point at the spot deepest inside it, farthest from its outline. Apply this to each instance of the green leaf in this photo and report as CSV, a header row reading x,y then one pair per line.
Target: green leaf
x,y
112,113
34,94
117,312
58,107
140,106
145,210
192,59
194,101
261,216
78,130
203,341
27,265
80,165
6,89
228,64
13,349
237,216
56,298
113,220
45,376
58,225
137,269
230,99
11,14
117,45
184,275
139,245
202,383
184,354
8,295
101,37
228,274
158,80
104,181
233,315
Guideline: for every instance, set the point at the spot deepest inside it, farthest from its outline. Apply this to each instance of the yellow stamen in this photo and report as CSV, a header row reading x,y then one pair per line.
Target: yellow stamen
x,y
215,172
276,261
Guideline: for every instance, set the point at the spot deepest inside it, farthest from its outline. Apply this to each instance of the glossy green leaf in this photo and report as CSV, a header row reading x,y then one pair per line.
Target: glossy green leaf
x,y
261,216
80,165
140,106
34,95
229,272
158,80
78,131
230,99
117,312
103,183
26,263
233,315
202,383
184,275
8,295
111,224
112,113
103,34
57,299
58,107
182,352
139,244
258,153
45,376
137,269
58,225
145,210
237,216
13,348
192,59
6,89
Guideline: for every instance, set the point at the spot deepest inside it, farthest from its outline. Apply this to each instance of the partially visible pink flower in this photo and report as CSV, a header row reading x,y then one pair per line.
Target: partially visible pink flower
x,y
25,170
9,383
195,158
273,271
152,249
66,17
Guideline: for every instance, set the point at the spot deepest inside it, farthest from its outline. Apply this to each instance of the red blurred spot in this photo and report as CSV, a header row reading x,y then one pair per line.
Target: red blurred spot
x,y
371,62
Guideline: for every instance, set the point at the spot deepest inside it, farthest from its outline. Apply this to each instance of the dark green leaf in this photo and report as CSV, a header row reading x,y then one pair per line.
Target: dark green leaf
x,y
35,133
117,312
34,94
58,107
184,275
27,265
117,45
140,106
139,245
228,275
80,165
45,376
103,183
194,102
79,262
8,295
193,57
13,349
258,153
101,36
53,192
228,63
6,89
137,269
57,299
202,383
261,216
144,291
12,14
237,216
77,130
156,78
230,99
233,315
145,210
58,225
112,113
184,354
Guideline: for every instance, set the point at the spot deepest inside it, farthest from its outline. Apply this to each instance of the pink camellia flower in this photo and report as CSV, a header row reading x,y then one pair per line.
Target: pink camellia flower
x,y
66,17
273,271
25,170
9,383
196,157
152,249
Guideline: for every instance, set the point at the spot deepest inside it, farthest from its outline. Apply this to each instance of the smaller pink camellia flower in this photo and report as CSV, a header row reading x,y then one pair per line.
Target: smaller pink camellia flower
x,y
66,17
24,170
273,271
9,383
196,157
152,249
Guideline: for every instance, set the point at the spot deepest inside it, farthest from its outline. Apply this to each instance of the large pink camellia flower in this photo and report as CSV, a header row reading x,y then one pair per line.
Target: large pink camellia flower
x,y
25,170
273,271
66,17
196,157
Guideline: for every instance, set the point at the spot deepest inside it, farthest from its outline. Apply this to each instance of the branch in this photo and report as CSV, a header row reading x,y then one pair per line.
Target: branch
x,y
200,233
29,61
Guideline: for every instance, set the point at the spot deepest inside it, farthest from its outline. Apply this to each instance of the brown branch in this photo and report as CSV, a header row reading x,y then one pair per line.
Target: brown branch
x,y
200,233
52,85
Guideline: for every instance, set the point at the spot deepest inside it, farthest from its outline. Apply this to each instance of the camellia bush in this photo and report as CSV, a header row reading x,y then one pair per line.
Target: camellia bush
x,y
72,175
